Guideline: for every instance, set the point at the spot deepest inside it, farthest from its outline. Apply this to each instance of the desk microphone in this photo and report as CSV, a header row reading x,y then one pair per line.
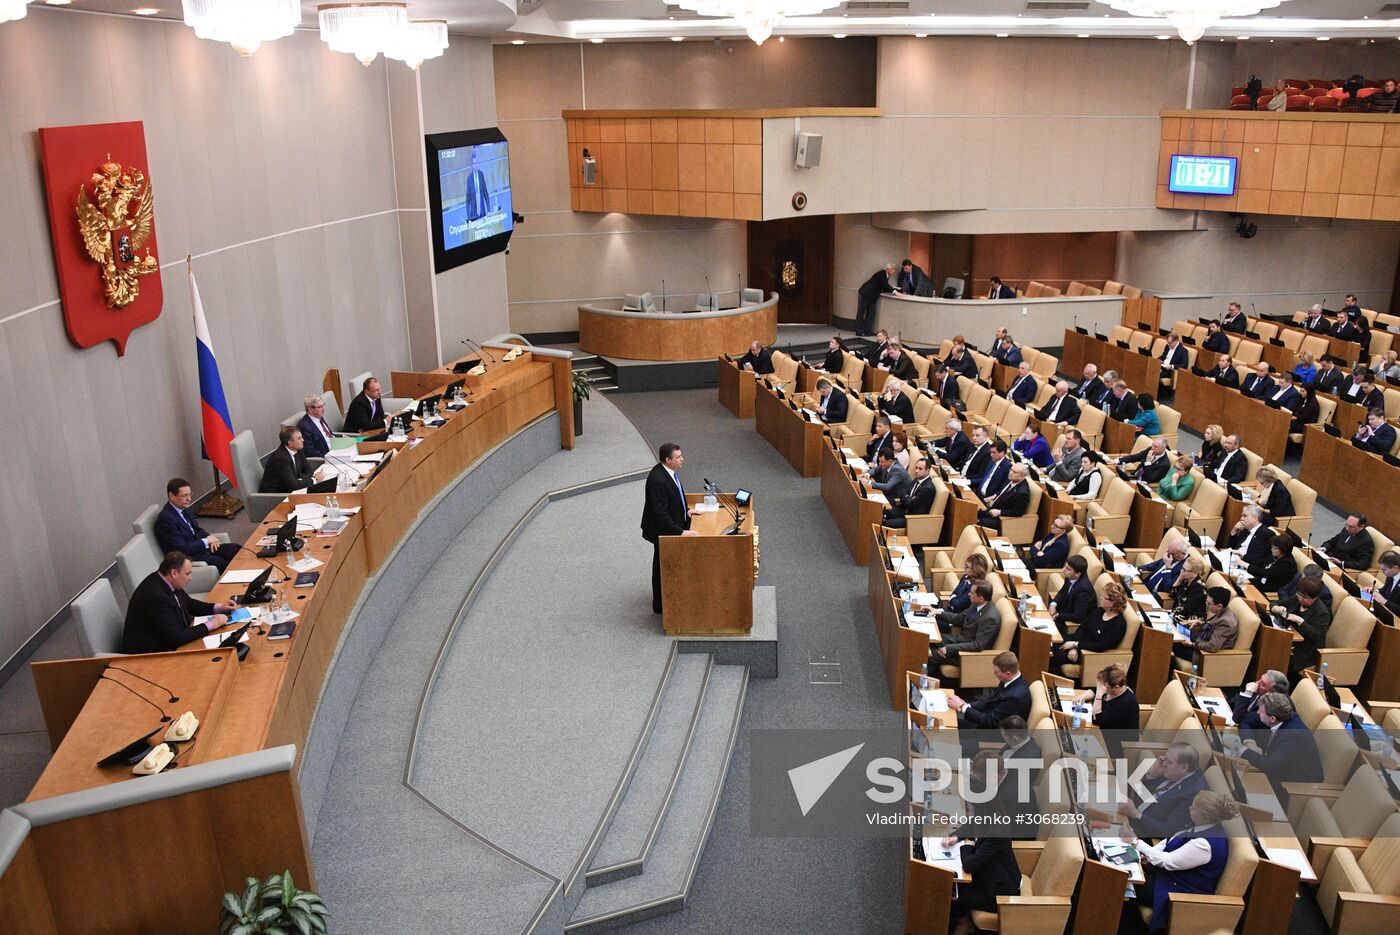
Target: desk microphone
x,y
173,697
714,303
663,296
472,345
164,718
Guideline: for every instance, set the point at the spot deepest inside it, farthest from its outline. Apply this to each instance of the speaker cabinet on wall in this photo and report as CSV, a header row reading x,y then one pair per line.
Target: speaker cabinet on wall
x,y
809,150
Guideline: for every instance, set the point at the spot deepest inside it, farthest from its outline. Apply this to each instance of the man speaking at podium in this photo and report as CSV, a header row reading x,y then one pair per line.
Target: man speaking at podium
x,y
665,513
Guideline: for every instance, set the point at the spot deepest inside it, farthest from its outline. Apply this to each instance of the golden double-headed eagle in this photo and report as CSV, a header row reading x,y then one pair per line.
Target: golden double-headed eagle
x,y
112,233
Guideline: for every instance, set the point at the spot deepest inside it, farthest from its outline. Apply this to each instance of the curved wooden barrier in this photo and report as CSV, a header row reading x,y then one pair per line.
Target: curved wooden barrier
x,y
685,336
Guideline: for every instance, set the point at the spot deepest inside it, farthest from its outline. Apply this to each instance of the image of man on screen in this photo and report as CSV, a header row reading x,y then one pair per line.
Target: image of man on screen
x,y
478,197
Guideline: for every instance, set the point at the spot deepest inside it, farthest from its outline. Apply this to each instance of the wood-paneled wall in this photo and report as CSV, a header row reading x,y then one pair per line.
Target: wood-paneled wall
x,y
1315,165
1053,259
698,166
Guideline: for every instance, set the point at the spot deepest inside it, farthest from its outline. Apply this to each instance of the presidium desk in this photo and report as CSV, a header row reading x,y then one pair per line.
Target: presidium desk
x,y
697,335
97,872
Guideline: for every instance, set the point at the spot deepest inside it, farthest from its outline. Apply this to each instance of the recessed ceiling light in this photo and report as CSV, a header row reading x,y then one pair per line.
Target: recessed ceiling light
x,y
146,11
678,38
1084,35
1164,37
839,35
595,41
920,35
517,42
1003,35
58,2
1242,38
1324,38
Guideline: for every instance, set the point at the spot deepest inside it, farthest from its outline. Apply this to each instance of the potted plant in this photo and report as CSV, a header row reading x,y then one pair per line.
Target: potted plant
x,y
582,390
274,907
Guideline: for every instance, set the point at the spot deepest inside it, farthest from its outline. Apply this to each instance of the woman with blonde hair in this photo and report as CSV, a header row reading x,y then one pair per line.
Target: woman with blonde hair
x,y
1303,366
975,568
1212,449
1273,495
1115,708
1190,861
1100,632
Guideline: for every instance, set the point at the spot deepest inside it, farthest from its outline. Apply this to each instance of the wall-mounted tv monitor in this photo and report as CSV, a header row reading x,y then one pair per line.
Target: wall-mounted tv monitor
x,y
1203,175
469,195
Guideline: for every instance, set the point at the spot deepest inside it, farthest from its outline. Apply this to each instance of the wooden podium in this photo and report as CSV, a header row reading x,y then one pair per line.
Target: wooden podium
x,y
707,579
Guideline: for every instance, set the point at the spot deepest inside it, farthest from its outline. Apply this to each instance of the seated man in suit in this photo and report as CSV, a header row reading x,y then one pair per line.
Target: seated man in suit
x,y
758,360
315,431
876,351
1285,751
1305,613
1075,600
366,412
917,501
1216,339
998,469
880,439
893,402
1315,322
286,468
954,446
1376,435
1174,355
1308,571
1224,372
1149,465
177,529
1012,696
1233,465
1386,587
1250,538
1234,319
1245,707
1173,780
975,467
1061,409
1011,501
1160,576
1070,462
1090,386
160,615
944,384
899,363
1288,394
888,477
1258,385
1007,352
1024,388
1052,549
977,627
960,361
832,405
1121,403
1353,546
1000,290
1329,377
1362,390
1345,329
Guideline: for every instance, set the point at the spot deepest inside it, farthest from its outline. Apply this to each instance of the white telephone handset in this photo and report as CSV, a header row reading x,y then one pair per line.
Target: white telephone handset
x,y
478,371
182,728
155,761
511,355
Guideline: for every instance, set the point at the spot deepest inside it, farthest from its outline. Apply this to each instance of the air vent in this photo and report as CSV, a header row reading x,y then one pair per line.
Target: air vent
x,y
1057,6
876,6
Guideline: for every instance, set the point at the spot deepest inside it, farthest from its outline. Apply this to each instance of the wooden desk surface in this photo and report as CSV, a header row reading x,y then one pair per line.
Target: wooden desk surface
x,y
1201,402
797,440
1335,469
1141,372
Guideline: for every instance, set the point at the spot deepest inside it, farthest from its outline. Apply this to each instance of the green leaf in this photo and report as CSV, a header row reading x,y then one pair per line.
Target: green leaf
x,y
232,905
269,914
287,888
245,929
250,897
302,920
276,930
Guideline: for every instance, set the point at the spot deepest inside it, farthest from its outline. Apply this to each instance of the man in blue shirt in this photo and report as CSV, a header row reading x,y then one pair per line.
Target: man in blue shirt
x,y
177,529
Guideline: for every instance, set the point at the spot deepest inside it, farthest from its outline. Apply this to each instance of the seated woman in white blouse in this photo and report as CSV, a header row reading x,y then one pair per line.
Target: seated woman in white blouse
x,y
1190,861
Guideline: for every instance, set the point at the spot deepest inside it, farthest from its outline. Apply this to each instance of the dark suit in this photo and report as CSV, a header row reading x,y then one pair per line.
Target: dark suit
x,y
1001,291
964,365
1238,324
1149,471
903,368
1231,467
1226,376
1160,575
1245,712
1172,809
1092,390
1280,502
364,414
1023,390
762,362
1075,601
836,407
179,531
993,479
957,450
1352,551
478,197
979,629
1289,755
914,281
664,514
1011,356
948,391
869,296
1050,552
316,444
1258,551
1012,501
917,501
877,443
1122,409
1329,381
899,406
991,863
1218,342
1318,325
1375,399
893,483
1285,398
1345,330
1176,359
976,464
158,618
285,471
1257,387
1097,634
1008,698
1381,440
1059,409
1273,574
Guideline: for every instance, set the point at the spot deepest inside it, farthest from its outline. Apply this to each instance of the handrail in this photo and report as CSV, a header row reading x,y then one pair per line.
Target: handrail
x,y
682,316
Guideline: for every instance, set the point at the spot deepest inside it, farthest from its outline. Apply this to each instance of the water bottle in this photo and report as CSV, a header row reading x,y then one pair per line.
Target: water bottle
x,y
1078,721
1195,673
1322,677
1022,606
335,507
330,506
284,612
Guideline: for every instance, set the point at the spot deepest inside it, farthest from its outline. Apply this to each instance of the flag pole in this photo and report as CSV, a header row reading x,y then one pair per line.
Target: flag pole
x,y
219,504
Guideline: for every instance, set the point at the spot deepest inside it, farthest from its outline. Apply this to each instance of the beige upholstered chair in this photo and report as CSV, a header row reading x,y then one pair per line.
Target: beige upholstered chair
x,y
1350,820
1021,529
1170,421
1205,511
927,529
1345,650
1045,366
1360,894
1112,288
854,433
1309,703
1091,424
1091,663
1043,906
976,397
1381,543
1111,517
974,670
968,540
1304,499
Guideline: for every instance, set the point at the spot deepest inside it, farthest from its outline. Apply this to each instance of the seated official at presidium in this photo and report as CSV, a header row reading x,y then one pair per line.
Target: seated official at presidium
x,y
177,529
665,512
160,615
366,410
287,468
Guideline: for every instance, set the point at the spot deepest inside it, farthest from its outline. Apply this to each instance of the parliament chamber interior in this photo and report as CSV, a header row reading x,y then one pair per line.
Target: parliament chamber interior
x,y
1007,393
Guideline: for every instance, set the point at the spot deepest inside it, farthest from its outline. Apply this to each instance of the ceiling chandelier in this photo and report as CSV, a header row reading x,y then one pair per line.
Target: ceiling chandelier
x,y
1192,17
243,24
758,17
420,40
362,29
13,9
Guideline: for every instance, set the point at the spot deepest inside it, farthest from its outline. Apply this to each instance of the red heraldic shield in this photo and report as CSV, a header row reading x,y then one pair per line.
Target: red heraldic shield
x,y
101,213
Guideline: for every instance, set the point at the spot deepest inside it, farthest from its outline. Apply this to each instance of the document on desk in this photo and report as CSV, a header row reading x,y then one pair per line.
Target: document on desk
x,y
925,625
371,457
933,700
910,568
1125,569
859,464
1040,624
945,858
876,497
305,564
240,576
1217,707
1295,860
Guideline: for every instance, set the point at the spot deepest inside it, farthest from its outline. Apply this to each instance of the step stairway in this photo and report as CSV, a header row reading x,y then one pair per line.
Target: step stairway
x,y
594,371
647,860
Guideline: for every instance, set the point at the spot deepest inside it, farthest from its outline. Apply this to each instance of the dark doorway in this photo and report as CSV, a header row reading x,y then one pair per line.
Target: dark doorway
x,y
793,257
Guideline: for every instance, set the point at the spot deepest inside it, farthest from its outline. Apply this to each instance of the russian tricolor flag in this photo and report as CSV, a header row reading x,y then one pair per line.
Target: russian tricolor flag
x,y
217,432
